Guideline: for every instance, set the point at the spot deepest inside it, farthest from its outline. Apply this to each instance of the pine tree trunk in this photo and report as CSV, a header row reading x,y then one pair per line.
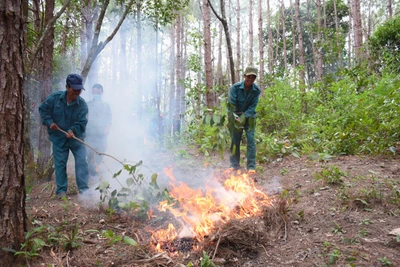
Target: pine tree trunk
x,y
390,9
207,54
172,87
319,44
46,79
301,57
238,50
339,47
178,69
220,77
357,29
293,35
12,186
261,45
251,40
284,37
270,48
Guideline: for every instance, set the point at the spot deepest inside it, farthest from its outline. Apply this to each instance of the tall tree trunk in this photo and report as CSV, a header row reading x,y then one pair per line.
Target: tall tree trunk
x,y
220,77
357,29
319,40
207,54
86,30
251,34
270,48
238,50
293,34
64,34
339,47
12,186
349,43
261,45
224,22
45,165
314,52
301,58
172,88
139,73
390,9
284,37
179,87
96,46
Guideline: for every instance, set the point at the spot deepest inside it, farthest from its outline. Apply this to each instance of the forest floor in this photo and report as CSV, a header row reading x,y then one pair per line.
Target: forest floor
x,y
349,217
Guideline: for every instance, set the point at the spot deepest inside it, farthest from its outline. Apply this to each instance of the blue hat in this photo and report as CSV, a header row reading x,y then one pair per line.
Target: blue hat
x,y
75,81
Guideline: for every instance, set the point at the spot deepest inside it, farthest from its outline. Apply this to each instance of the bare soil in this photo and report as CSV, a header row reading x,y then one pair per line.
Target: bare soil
x,y
314,223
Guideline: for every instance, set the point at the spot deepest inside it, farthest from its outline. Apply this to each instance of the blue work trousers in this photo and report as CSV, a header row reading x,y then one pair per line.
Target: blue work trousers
x,y
236,138
61,154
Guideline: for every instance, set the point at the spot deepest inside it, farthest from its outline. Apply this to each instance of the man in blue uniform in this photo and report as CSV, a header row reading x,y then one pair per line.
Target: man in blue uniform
x,y
67,111
97,129
243,100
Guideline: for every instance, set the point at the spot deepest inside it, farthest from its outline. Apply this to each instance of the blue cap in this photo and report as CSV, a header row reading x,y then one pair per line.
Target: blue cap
x,y
75,81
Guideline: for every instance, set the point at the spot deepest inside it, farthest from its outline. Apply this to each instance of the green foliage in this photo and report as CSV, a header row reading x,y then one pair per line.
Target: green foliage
x,y
205,261
334,256
385,46
210,132
132,196
332,175
385,261
358,114
73,239
337,229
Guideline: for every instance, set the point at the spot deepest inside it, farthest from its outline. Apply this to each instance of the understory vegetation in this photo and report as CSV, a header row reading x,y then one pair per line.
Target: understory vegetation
x,y
357,114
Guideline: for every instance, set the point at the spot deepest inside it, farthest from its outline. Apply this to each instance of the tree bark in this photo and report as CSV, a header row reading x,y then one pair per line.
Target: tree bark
x,y
261,45
301,57
224,22
357,29
12,180
339,47
270,48
284,37
319,42
97,47
390,9
220,77
46,79
251,34
207,54
178,69
172,88
238,50
293,35
349,43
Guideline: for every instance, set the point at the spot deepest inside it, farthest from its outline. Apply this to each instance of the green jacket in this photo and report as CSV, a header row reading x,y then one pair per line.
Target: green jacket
x,y
55,109
243,104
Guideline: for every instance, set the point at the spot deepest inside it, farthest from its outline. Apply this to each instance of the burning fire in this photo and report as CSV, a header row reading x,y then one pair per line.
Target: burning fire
x,y
200,211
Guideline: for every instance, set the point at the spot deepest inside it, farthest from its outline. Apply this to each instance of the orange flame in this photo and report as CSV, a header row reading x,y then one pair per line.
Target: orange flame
x,y
200,211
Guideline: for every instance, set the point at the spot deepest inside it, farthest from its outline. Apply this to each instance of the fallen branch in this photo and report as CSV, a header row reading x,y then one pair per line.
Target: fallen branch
x,y
216,247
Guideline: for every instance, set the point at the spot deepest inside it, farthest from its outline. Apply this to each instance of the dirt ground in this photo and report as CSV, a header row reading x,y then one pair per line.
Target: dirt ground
x,y
319,223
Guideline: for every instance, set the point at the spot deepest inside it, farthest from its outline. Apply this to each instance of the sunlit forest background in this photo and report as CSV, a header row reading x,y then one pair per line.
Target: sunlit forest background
x,y
328,70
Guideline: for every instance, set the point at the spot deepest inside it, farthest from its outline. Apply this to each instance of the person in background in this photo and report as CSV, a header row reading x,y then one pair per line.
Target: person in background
x,y
243,100
97,129
67,111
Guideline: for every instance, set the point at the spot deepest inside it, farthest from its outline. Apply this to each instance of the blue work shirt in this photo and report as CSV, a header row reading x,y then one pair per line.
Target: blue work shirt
x,y
73,116
244,102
